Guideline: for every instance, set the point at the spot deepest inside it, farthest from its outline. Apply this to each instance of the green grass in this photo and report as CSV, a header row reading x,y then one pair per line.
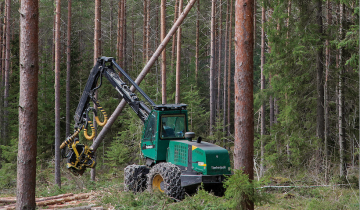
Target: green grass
x,y
109,192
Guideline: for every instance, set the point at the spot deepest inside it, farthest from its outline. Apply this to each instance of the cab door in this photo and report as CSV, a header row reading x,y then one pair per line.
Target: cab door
x,y
148,142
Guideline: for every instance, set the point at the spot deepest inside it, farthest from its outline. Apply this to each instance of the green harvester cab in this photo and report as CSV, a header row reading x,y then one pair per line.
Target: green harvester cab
x,y
166,138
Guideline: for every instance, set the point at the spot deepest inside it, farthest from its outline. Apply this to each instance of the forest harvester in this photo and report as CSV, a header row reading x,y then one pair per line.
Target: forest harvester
x,y
174,162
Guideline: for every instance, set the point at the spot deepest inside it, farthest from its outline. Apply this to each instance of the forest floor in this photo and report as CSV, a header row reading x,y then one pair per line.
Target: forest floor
x,y
108,193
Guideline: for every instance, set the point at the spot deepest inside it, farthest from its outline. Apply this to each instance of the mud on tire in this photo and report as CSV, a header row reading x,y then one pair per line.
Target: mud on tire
x,y
135,178
171,184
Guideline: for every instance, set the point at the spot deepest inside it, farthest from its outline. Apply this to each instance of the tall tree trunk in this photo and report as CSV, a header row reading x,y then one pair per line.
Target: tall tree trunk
x,y
320,81
272,99
7,69
111,5
288,20
326,106
133,40
341,124
147,30
174,37
254,25
121,34
2,141
68,67
244,111
3,74
118,35
97,53
271,104
212,64
262,112
225,65
124,36
28,105
144,31
163,54
178,58
229,68
219,59
57,93
197,41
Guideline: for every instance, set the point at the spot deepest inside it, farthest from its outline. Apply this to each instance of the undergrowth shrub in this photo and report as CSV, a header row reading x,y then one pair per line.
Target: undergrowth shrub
x,y
239,186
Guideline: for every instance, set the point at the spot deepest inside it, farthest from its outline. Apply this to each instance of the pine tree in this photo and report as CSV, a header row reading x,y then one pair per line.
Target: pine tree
x,y
243,79
57,93
28,111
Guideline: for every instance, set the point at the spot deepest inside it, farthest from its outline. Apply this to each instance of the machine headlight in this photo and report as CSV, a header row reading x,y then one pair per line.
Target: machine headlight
x,y
201,164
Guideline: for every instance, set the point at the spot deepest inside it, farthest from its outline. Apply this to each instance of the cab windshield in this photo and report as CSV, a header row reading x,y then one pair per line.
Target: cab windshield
x,y
172,126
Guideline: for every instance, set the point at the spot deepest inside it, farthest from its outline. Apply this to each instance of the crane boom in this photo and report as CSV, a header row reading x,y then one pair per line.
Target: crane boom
x,y
80,156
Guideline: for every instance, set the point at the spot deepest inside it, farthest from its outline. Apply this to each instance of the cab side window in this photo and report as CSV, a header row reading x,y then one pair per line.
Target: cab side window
x,y
150,128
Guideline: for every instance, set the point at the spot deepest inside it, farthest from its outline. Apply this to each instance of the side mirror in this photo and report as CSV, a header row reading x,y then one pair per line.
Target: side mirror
x,y
190,135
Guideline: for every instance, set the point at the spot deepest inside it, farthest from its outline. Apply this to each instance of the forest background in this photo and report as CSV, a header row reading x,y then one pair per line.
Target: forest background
x,y
306,90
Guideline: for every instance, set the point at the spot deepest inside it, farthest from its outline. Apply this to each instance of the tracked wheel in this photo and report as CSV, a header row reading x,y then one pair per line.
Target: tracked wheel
x,y
165,177
135,178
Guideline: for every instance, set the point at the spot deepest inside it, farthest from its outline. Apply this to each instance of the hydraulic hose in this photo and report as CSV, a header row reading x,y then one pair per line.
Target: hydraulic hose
x,y
103,112
92,131
70,138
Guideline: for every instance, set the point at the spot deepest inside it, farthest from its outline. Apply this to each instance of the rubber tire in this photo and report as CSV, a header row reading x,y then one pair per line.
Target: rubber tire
x,y
135,178
171,176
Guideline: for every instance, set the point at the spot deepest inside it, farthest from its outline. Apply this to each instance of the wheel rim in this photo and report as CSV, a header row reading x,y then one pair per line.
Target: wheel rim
x,y
158,183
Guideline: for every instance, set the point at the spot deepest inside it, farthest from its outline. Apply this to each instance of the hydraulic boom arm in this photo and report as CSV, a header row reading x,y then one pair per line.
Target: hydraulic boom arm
x,y
80,156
